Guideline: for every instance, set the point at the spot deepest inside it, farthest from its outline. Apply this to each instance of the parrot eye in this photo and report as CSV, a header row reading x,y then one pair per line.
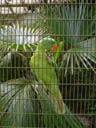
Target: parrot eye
x,y
49,42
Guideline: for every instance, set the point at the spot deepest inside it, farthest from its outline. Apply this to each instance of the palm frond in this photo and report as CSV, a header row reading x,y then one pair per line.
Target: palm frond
x,y
69,20
74,26
18,106
84,54
23,103
20,37
12,65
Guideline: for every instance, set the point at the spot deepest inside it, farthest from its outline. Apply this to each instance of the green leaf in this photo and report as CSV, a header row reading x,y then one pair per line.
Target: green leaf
x,y
11,66
24,103
18,107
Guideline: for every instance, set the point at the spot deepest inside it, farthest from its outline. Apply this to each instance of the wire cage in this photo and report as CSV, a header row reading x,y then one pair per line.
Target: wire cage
x,y
47,64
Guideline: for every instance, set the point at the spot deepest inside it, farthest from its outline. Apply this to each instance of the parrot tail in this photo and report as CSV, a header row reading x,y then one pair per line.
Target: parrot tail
x,y
58,103
69,119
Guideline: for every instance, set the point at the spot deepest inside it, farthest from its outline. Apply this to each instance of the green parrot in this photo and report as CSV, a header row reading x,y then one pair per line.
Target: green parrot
x,y
44,71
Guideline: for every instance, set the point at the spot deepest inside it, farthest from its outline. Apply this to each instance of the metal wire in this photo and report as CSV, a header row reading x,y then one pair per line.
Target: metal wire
x,y
25,99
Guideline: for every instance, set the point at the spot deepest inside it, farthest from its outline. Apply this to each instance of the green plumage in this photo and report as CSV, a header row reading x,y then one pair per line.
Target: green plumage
x,y
45,73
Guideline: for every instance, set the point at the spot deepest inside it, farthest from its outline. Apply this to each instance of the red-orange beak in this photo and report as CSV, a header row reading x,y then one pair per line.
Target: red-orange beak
x,y
54,47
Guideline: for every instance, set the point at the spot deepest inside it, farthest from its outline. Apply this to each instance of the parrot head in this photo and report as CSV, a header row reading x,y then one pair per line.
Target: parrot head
x,y
49,44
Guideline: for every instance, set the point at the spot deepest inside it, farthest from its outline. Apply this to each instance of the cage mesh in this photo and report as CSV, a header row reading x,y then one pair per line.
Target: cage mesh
x,y
41,86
